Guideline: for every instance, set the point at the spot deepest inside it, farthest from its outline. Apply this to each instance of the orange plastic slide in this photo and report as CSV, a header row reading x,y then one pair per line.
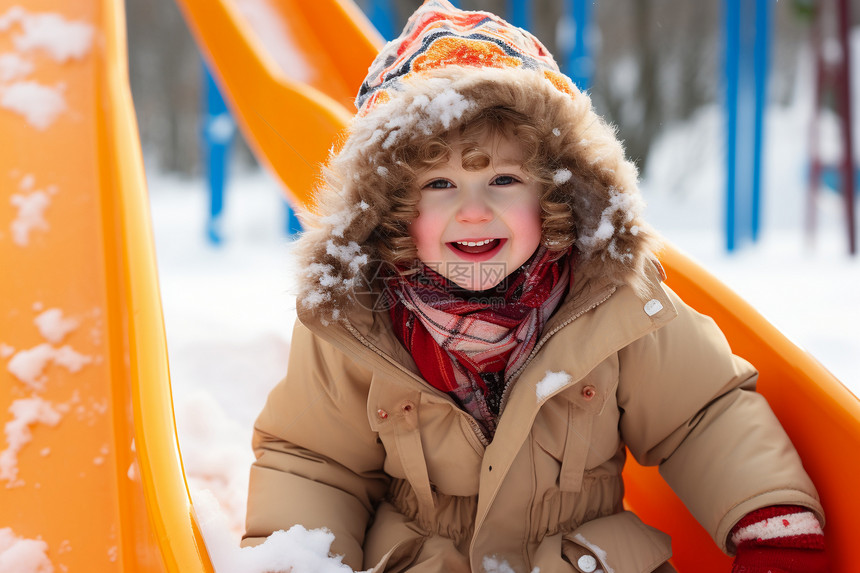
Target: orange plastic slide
x,y
90,475
290,80
278,113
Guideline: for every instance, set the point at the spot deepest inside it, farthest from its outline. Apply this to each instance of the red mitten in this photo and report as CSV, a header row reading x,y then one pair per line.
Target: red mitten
x,y
779,539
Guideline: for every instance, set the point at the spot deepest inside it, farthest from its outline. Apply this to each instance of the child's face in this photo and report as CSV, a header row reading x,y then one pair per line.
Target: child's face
x,y
497,208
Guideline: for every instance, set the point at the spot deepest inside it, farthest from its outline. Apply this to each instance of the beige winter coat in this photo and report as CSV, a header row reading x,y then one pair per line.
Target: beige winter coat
x,y
354,441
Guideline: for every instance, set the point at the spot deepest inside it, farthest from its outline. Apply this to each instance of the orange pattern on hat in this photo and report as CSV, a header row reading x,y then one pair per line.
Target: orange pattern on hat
x,y
453,51
439,35
561,82
440,20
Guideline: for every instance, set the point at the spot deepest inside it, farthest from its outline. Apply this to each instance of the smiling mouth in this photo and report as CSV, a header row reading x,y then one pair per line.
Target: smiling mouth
x,y
476,247
482,248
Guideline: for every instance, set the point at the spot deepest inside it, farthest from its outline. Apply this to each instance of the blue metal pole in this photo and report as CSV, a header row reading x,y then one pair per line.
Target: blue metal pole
x,y
519,13
294,227
762,56
381,13
745,146
217,134
580,63
732,40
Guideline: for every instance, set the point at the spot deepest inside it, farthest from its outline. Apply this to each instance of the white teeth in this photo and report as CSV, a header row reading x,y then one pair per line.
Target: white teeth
x,y
475,244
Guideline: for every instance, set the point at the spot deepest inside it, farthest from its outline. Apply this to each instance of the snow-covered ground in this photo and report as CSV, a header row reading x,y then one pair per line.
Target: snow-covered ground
x,y
229,310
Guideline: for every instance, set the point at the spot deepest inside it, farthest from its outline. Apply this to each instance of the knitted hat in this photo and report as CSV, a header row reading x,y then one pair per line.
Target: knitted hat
x,y
438,35
448,67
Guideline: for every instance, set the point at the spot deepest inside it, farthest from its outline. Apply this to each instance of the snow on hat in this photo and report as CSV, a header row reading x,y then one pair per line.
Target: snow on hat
x,y
439,35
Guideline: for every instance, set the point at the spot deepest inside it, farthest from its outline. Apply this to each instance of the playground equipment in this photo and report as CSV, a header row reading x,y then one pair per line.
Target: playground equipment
x,y
580,60
217,135
382,15
317,90
90,464
747,38
833,76
82,348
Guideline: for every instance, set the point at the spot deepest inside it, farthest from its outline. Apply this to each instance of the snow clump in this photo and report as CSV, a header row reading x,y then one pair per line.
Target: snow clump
x,y
340,220
61,39
423,114
25,413
496,565
28,365
448,106
551,382
20,555
31,215
47,32
13,66
350,254
297,549
39,104
629,204
561,176
53,326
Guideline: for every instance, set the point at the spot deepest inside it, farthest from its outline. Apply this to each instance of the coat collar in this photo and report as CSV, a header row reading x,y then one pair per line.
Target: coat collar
x,y
367,335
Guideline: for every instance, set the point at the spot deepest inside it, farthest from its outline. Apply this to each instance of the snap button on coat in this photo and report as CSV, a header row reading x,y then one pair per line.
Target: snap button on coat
x,y
653,306
588,392
587,564
381,414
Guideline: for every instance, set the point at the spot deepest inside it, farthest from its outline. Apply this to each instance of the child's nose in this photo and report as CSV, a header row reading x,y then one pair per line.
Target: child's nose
x,y
474,209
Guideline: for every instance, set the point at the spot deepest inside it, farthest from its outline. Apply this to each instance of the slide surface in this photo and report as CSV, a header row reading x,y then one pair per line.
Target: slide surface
x,y
820,414
290,70
90,475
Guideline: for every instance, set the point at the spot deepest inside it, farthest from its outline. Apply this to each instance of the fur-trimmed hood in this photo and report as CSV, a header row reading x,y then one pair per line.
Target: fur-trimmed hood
x,y
338,252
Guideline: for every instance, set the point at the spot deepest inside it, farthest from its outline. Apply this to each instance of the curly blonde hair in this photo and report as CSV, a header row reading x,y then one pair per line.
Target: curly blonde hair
x,y
391,235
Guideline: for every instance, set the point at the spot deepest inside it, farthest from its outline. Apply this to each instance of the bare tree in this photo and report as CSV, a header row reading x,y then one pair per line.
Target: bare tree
x,y
165,80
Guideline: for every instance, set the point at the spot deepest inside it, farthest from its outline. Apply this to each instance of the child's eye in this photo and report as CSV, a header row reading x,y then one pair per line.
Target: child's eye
x,y
439,184
505,180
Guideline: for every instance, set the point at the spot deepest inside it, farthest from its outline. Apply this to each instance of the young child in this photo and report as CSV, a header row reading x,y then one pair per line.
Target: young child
x,y
483,331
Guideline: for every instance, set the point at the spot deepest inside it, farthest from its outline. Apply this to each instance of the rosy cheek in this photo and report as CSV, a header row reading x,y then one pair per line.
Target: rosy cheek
x,y
426,233
532,231
526,219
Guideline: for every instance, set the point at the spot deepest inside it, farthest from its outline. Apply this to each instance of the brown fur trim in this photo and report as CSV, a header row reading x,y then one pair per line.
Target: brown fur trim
x,y
338,252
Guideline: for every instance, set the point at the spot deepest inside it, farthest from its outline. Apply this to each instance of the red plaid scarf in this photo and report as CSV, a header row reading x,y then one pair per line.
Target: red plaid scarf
x,y
469,344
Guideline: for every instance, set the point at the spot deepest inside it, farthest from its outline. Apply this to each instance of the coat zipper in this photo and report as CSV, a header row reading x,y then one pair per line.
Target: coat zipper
x,y
472,422
543,340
